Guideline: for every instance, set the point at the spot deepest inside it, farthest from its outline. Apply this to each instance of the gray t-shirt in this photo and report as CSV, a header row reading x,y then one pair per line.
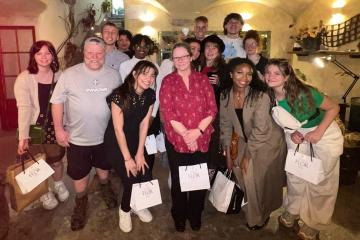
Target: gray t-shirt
x,y
84,93
114,58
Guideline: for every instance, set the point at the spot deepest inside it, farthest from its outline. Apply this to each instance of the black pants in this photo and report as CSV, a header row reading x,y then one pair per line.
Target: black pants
x,y
185,205
127,183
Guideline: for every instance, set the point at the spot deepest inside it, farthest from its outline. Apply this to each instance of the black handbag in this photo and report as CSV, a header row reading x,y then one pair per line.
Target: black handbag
x,y
236,198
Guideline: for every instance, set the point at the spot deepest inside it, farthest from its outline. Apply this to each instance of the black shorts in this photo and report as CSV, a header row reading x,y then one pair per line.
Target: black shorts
x,y
82,158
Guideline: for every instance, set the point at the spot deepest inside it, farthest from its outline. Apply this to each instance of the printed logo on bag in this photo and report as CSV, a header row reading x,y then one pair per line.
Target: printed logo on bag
x,y
302,162
34,172
147,192
193,175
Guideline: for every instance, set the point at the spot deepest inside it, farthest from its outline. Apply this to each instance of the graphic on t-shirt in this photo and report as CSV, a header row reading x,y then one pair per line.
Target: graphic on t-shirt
x,y
230,51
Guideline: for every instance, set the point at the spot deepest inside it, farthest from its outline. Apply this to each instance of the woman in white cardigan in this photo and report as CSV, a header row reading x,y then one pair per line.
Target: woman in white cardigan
x,y
32,90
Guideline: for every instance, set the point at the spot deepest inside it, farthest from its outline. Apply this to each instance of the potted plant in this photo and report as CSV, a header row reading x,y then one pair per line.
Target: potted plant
x,y
106,6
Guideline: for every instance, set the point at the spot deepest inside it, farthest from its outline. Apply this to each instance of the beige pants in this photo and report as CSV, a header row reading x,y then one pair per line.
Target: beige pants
x,y
315,203
253,214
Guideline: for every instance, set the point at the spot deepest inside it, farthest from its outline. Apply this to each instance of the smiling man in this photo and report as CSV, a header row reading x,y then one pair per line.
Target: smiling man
x,y
80,96
113,57
232,25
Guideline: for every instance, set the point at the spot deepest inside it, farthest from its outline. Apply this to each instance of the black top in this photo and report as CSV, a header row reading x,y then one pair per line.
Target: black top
x,y
239,114
134,113
44,92
260,66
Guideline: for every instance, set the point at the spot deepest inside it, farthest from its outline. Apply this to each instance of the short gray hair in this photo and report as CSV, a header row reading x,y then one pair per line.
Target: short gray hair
x,y
94,40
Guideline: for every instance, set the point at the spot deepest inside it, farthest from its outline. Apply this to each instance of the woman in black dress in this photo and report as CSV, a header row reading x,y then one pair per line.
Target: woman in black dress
x,y
131,107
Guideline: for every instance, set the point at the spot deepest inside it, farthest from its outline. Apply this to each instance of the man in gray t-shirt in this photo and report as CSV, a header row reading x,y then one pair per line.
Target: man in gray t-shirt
x,y
80,95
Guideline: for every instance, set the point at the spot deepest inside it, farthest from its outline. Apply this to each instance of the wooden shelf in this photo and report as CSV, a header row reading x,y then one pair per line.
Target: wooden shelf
x,y
351,54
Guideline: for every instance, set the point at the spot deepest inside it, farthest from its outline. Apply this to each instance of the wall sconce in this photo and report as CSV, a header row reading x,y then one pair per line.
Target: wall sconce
x,y
147,16
331,58
337,18
319,61
149,31
246,15
246,27
338,4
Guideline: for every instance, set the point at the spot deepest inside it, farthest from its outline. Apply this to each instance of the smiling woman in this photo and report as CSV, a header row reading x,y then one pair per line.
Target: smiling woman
x,y
131,107
259,164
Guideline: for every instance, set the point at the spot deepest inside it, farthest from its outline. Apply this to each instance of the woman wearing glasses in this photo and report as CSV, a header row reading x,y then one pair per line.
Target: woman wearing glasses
x,y
187,108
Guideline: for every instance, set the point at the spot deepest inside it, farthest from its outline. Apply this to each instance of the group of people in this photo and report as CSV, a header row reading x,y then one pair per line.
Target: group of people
x,y
213,87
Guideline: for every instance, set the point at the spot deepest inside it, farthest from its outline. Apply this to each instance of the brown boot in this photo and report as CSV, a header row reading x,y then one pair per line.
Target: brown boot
x,y
78,219
108,195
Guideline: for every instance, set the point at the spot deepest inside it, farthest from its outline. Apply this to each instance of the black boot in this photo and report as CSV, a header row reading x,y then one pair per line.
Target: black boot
x,y
78,219
108,195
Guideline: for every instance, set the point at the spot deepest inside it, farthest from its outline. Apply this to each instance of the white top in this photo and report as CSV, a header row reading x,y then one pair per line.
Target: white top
x,y
233,47
83,93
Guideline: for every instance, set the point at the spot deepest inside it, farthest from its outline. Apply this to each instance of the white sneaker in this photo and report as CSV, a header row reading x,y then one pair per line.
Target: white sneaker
x,y
144,215
49,201
124,221
61,191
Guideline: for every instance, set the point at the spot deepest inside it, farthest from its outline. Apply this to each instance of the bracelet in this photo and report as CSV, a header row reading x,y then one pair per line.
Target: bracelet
x,y
129,159
201,131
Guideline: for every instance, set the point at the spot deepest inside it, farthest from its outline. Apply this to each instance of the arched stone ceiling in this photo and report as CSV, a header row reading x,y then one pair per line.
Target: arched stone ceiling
x,y
184,8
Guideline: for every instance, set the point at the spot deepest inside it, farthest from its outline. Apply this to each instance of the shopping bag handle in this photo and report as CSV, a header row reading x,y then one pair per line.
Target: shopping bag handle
x,y
312,153
23,161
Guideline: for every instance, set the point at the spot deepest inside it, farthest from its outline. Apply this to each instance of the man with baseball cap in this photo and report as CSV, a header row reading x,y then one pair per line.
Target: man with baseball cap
x,y
80,99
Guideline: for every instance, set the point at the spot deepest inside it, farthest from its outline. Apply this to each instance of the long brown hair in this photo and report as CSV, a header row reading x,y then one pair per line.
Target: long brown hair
x,y
128,86
32,66
293,87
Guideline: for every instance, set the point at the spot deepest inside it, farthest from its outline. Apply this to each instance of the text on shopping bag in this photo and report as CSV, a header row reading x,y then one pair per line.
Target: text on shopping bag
x,y
34,175
304,166
145,195
194,177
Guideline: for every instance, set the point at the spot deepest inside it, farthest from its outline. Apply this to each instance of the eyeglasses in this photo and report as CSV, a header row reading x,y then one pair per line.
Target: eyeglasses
x,y
181,57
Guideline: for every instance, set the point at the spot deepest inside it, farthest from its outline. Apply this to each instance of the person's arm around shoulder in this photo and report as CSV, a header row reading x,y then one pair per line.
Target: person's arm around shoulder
x,y
331,111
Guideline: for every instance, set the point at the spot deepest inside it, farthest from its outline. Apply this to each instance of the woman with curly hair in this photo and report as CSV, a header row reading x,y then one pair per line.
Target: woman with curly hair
x,y
259,164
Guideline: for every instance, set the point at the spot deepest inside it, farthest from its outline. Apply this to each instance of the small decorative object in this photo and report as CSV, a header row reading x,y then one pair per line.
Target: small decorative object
x,y
308,39
106,6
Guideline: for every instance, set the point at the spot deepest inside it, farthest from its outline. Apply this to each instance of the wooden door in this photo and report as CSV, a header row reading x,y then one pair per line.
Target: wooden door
x,y
15,43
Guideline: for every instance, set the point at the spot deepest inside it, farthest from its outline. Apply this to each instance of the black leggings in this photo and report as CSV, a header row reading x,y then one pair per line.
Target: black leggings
x,y
185,205
127,183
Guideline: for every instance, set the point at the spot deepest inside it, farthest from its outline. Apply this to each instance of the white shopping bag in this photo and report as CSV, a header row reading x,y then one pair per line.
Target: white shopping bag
x,y
160,142
150,144
304,166
221,192
34,175
145,195
194,177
